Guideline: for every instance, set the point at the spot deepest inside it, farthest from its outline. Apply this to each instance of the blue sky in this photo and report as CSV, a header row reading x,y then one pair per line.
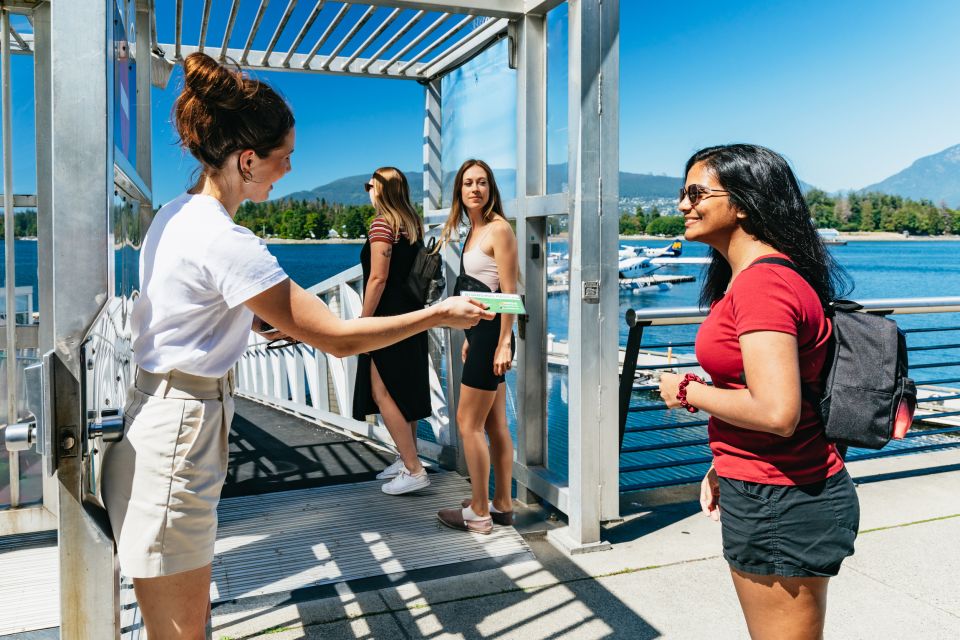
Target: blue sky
x,y
850,92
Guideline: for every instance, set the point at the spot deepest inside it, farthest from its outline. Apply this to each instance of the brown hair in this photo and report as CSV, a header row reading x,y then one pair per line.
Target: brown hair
x,y
391,199
458,212
220,112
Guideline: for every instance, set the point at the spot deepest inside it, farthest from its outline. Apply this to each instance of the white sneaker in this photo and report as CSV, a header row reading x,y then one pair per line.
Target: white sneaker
x,y
405,482
392,470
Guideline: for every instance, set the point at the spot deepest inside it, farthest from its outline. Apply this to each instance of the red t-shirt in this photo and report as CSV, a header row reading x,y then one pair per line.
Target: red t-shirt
x,y
768,297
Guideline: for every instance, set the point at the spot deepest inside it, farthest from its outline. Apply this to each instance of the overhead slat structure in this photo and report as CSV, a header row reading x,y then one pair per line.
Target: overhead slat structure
x,y
334,37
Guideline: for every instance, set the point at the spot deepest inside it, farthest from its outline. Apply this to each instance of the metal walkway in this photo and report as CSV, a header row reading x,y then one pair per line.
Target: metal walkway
x,y
305,512
287,541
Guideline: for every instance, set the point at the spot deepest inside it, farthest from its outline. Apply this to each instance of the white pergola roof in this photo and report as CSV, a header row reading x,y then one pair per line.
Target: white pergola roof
x,y
405,39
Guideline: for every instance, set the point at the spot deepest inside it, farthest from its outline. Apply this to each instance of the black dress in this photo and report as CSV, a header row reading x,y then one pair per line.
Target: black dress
x,y
403,367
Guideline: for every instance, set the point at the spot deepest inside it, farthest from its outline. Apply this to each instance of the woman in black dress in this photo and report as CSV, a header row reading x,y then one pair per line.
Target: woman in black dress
x,y
393,381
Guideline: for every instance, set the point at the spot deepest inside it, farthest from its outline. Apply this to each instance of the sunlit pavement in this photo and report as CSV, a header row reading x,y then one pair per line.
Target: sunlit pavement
x,y
663,578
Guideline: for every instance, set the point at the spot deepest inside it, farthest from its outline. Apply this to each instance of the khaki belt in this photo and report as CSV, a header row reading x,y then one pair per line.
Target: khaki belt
x,y
184,386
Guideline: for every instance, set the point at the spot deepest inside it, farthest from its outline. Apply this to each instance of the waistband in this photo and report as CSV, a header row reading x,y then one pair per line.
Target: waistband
x,y
184,386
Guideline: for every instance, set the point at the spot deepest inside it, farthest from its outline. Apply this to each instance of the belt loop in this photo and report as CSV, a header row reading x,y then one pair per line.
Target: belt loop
x,y
166,382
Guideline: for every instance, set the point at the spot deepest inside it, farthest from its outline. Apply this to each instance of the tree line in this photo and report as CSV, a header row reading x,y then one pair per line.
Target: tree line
x,y
302,219
847,212
24,224
882,212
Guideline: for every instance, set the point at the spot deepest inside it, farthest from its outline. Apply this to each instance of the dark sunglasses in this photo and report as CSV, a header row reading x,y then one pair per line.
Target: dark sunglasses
x,y
697,192
367,186
280,343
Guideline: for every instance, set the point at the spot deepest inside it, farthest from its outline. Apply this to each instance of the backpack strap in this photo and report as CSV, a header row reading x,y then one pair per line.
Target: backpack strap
x,y
783,262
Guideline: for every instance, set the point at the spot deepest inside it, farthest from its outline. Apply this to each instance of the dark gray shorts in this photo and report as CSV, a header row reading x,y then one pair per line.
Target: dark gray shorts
x,y
794,531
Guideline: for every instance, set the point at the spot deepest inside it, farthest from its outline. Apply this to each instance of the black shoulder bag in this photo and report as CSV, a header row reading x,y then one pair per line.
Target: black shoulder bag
x,y
465,282
425,282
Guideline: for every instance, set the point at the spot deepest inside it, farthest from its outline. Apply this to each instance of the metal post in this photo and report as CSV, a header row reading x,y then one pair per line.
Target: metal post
x,y
609,146
76,271
531,245
593,420
43,118
432,169
10,262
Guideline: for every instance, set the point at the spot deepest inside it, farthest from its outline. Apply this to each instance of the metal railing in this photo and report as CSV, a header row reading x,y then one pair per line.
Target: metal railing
x,y
672,446
304,380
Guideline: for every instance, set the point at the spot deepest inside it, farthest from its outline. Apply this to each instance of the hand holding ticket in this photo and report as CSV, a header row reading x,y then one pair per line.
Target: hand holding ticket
x,y
499,302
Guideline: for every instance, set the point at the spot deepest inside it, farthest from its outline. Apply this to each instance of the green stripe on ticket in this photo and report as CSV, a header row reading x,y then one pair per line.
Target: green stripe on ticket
x,y
499,302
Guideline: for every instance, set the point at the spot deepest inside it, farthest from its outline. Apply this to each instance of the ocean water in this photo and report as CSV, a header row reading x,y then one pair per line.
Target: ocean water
x,y
894,269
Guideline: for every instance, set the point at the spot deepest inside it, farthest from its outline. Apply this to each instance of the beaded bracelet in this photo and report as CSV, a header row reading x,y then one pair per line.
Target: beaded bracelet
x,y
682,391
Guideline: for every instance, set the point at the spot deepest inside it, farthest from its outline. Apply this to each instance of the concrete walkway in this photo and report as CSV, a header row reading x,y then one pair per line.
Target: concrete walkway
x,y
663,578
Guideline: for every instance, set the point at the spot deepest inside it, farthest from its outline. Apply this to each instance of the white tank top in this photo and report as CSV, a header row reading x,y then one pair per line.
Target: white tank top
x,y
477,264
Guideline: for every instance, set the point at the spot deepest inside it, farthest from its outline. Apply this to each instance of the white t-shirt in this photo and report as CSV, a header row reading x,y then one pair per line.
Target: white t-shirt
x,y
197,268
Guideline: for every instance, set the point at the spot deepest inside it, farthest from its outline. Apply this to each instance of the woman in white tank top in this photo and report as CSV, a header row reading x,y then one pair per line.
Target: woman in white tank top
x,y
490,256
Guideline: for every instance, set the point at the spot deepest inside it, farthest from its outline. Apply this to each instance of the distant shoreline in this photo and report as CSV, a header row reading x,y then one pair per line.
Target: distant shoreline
x,y
315,241
848,236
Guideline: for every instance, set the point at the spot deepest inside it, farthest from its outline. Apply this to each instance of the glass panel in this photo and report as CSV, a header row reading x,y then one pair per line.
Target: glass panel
x,y
479,116
126,246
557,75
558,316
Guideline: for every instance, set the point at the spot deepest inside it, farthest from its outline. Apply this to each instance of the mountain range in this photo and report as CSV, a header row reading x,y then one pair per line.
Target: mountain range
x,y
935,177
350,190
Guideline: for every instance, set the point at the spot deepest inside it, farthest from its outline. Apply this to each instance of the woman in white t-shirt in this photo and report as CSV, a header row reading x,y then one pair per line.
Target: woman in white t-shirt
x,y
205,282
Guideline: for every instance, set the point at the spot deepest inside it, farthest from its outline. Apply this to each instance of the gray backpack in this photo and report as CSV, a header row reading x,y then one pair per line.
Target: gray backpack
x,y
867,397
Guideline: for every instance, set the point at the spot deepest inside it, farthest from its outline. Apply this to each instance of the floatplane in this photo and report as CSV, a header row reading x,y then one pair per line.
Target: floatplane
x,y
636,266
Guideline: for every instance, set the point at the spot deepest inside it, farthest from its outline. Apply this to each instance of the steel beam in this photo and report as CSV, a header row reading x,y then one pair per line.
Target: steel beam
x,y
144,164
253,33
531,246
393,39
326,33
10,263
417,40
76,271
298,62
179,31
348,37
609,100
291,4
204,23
432,128
593,364
42,102
373,36
465,48
317,8
496,8
540,7
231,21
436,43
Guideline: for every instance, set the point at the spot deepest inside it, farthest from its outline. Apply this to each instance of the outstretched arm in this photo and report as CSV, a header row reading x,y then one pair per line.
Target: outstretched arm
x,y
303,316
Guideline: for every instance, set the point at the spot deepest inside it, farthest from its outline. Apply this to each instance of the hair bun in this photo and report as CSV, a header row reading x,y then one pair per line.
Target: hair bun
x,y
213,83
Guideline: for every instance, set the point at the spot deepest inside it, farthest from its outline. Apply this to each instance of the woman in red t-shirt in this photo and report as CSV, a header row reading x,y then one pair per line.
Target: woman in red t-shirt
x,y
788,508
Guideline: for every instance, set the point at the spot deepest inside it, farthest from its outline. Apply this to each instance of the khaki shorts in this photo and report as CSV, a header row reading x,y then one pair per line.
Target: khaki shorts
x,y
161,483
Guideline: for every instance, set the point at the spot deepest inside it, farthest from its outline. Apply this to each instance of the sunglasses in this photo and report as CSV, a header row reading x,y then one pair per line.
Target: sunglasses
x,y
280,343
367,186
697,192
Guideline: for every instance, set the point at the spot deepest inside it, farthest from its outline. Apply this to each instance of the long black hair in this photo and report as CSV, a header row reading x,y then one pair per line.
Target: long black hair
x,y
762,186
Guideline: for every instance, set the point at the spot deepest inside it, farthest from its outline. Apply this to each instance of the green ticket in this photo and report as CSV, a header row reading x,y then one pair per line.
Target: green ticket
x,y
499,302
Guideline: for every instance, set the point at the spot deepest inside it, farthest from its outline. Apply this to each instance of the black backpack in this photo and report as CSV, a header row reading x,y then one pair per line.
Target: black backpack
x,y
867,396
425,282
